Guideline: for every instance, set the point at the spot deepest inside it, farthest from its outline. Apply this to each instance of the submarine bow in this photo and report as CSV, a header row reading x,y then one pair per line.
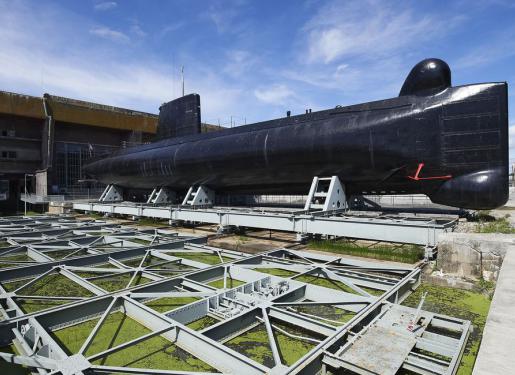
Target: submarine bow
x,y
450,143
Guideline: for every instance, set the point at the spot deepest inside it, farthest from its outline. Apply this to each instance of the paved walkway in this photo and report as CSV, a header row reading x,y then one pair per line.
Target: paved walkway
x,y
497,351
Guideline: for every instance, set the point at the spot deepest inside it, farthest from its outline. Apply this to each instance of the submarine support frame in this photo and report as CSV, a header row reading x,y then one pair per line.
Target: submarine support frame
x,y
418,231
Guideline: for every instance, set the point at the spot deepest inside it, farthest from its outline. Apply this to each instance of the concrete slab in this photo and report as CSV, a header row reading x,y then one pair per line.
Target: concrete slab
x,y
496,354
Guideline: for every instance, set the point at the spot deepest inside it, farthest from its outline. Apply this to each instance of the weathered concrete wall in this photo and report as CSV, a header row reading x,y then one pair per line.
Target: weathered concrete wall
x,y
496,352
473,255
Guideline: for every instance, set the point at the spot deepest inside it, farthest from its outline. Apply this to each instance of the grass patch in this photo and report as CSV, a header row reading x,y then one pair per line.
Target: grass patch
x,y
18,257
11,286
401,253
33,305
140,241
372,291
55,285
325,282
4,244
206,258
9,265
461,304
152,222
202,323
169,303
276,272
95,215
154,353
9,368
497,226
104,265
230,283
134,262
60,254
114,283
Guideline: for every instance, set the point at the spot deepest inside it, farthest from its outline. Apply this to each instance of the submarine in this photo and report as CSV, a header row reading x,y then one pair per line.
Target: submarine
x,y
447,142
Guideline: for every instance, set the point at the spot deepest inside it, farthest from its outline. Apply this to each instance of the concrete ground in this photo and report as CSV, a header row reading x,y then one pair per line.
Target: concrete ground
x,y
497,352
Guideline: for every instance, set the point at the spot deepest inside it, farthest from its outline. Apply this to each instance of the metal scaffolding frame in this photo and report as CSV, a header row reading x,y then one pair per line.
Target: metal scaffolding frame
x,y
282,291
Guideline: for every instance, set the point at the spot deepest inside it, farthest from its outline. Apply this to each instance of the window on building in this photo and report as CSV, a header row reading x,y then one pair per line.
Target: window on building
x,y
69,160
8,155
7,133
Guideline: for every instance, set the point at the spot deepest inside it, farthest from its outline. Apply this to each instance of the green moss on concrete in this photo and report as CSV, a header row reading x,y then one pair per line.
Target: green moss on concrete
x,y
154,353
461,304
230,283
55,285
202,323
327,312
170,303
276,272
401,253
254,344
325,282
291,349
9,368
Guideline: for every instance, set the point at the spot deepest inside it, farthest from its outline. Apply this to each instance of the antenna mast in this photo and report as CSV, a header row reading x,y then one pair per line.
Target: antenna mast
x,y
182,74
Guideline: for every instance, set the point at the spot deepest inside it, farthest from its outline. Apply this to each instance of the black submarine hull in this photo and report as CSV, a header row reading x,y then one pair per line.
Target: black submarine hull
x,y
450,143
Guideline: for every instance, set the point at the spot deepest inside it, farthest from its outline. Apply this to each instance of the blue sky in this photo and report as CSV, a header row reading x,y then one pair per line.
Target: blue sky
x,y
251,60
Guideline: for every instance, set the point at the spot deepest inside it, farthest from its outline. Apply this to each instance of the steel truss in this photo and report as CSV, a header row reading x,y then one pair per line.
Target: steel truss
x,y
378,337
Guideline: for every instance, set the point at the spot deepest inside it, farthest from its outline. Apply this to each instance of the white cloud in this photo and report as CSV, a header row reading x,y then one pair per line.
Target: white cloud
x,y
106,5
170,28
276,94
137,30
110,34
486,53
511,143
238,62
345,29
